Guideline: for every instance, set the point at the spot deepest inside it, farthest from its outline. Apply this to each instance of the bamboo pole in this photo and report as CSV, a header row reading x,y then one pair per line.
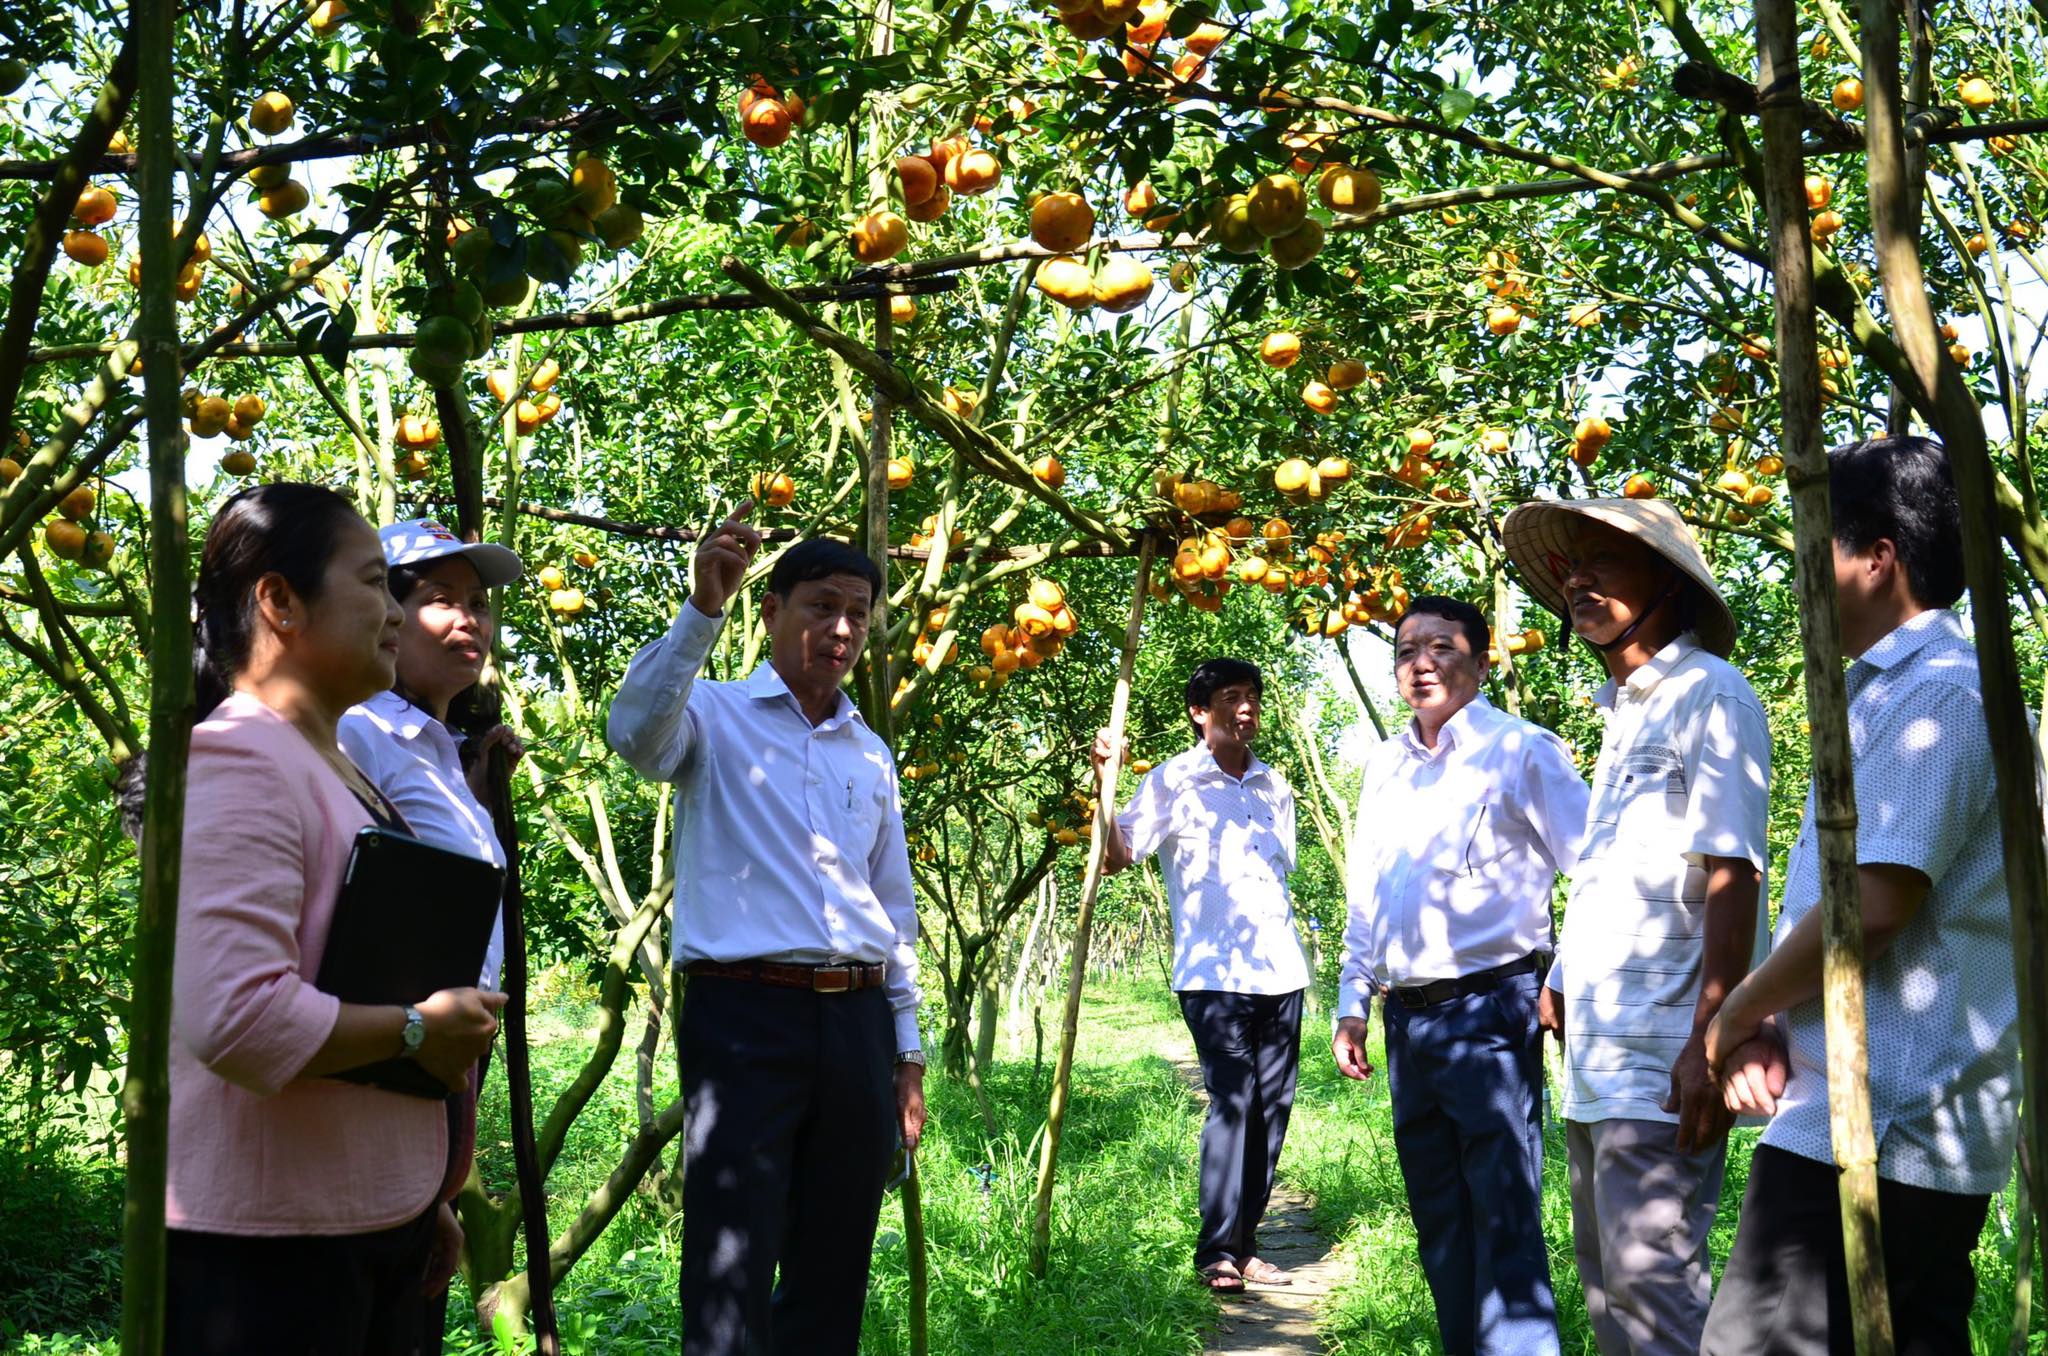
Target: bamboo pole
x,y
146,1090
1091,884
1834,785
1944,399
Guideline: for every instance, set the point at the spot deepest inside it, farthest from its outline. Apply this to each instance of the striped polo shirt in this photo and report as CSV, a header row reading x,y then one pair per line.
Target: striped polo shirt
x,y
1684,774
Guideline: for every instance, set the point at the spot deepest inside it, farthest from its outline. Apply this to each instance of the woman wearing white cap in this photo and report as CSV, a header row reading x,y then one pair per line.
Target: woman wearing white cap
x,y
409,741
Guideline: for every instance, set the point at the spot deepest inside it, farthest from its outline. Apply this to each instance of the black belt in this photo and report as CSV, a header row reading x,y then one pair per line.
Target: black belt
x,y
1444,990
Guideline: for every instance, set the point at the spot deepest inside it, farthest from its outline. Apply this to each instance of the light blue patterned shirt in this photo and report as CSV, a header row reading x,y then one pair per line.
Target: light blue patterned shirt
x,y
1942,1011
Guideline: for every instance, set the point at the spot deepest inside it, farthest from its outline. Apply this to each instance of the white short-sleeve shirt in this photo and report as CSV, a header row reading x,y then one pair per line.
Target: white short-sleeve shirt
x,y
1684,774
1226,846
414,760
1942,1009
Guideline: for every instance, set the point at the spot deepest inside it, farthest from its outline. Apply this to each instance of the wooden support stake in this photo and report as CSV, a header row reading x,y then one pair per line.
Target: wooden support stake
x,y
1834,783
146,1090
1091,884
920,1265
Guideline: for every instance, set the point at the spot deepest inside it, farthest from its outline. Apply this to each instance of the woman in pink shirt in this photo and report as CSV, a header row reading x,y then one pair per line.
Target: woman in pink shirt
x,y
302,1210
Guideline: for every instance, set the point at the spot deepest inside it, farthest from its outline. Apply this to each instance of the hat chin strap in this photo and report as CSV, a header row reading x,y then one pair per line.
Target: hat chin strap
x,y
1627,631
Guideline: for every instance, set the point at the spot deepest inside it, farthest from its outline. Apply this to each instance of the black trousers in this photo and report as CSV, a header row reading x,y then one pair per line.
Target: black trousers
x,y
1250,1048
340,1295
1785,1290
792,1121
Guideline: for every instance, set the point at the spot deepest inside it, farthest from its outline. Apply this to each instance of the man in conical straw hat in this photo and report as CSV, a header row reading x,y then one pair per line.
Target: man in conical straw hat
x,y
1666,908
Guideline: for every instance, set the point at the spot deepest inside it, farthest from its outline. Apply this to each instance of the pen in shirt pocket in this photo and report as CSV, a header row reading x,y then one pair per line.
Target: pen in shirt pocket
x,y
849,793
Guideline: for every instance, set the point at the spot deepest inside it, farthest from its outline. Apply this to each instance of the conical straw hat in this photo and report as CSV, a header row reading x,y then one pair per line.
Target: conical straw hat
x,y
1538,540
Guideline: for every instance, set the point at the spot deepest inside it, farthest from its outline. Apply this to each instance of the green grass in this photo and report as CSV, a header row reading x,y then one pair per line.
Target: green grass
x,y
1124,1217
1123,1222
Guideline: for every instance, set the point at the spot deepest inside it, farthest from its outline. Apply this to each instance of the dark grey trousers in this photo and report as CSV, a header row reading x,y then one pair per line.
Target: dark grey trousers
x,y
1250,1048
792,1114
1785,1290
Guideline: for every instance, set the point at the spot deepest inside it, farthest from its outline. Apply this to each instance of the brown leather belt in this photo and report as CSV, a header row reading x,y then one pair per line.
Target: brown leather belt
x,y
816,978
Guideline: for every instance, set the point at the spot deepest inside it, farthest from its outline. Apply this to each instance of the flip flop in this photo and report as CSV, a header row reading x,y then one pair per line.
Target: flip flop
x,y
1222,1278
1261,1272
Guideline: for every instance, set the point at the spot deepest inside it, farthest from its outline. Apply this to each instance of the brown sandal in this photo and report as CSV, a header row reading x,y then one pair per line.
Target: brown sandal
x,y
1261,1272
1222,1278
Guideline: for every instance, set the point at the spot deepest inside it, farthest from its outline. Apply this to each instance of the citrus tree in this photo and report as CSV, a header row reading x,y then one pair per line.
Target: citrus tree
x,y
1305,297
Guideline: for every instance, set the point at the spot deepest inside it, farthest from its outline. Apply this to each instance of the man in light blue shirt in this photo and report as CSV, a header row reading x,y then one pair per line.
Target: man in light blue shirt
x,y
1939,991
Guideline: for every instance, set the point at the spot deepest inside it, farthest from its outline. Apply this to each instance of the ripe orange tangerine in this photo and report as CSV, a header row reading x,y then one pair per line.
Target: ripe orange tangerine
x,y
1280,349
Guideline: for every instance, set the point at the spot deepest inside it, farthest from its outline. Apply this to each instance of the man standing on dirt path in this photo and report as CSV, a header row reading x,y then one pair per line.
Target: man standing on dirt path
x,y
1666,908
1465,821
1223,824
797,929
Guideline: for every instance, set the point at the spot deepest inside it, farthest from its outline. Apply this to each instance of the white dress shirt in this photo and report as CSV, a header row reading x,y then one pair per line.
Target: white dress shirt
x,y
789,837
1226,846
414,760
1684,774
1456,851
1941,1005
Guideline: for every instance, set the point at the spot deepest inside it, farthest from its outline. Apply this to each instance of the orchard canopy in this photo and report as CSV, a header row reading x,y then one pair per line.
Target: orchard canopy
x,y
1304,296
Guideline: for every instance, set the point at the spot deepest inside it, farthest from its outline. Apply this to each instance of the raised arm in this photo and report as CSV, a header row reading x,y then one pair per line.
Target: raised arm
x,y
650,724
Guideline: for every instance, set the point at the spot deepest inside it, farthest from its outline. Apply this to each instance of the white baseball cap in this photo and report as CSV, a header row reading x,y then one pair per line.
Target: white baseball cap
x,y
420,540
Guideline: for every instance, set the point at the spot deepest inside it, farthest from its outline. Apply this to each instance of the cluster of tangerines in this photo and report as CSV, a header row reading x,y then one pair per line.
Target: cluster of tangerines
x,y
533,405
1502,276
1368,593
1076,808
928,532
1282,350
416,435
1038,629
926,184
277,196
768,117
208,416
1063,222
564,599
1271,217
66,535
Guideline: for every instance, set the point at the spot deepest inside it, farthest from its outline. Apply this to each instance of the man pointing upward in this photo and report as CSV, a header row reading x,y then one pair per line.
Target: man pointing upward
x,y
796,925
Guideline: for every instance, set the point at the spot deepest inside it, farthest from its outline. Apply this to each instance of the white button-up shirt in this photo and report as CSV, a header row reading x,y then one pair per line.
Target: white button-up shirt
x,y
1941,1005
415,761
1457,850
789,837
1226,846
1684,774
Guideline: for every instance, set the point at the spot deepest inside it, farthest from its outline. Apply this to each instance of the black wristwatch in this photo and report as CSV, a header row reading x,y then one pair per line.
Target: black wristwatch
x,y
415,1033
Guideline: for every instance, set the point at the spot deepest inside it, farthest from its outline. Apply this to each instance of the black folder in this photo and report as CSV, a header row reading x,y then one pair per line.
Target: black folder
x,y
412,919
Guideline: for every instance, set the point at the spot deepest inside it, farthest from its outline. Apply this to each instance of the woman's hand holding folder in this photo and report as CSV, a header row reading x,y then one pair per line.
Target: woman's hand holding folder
x,y
461,1024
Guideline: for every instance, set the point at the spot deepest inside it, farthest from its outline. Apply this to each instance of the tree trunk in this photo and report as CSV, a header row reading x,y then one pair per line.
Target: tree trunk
x,y
1834,785
986,1006
146,1091
1091,883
